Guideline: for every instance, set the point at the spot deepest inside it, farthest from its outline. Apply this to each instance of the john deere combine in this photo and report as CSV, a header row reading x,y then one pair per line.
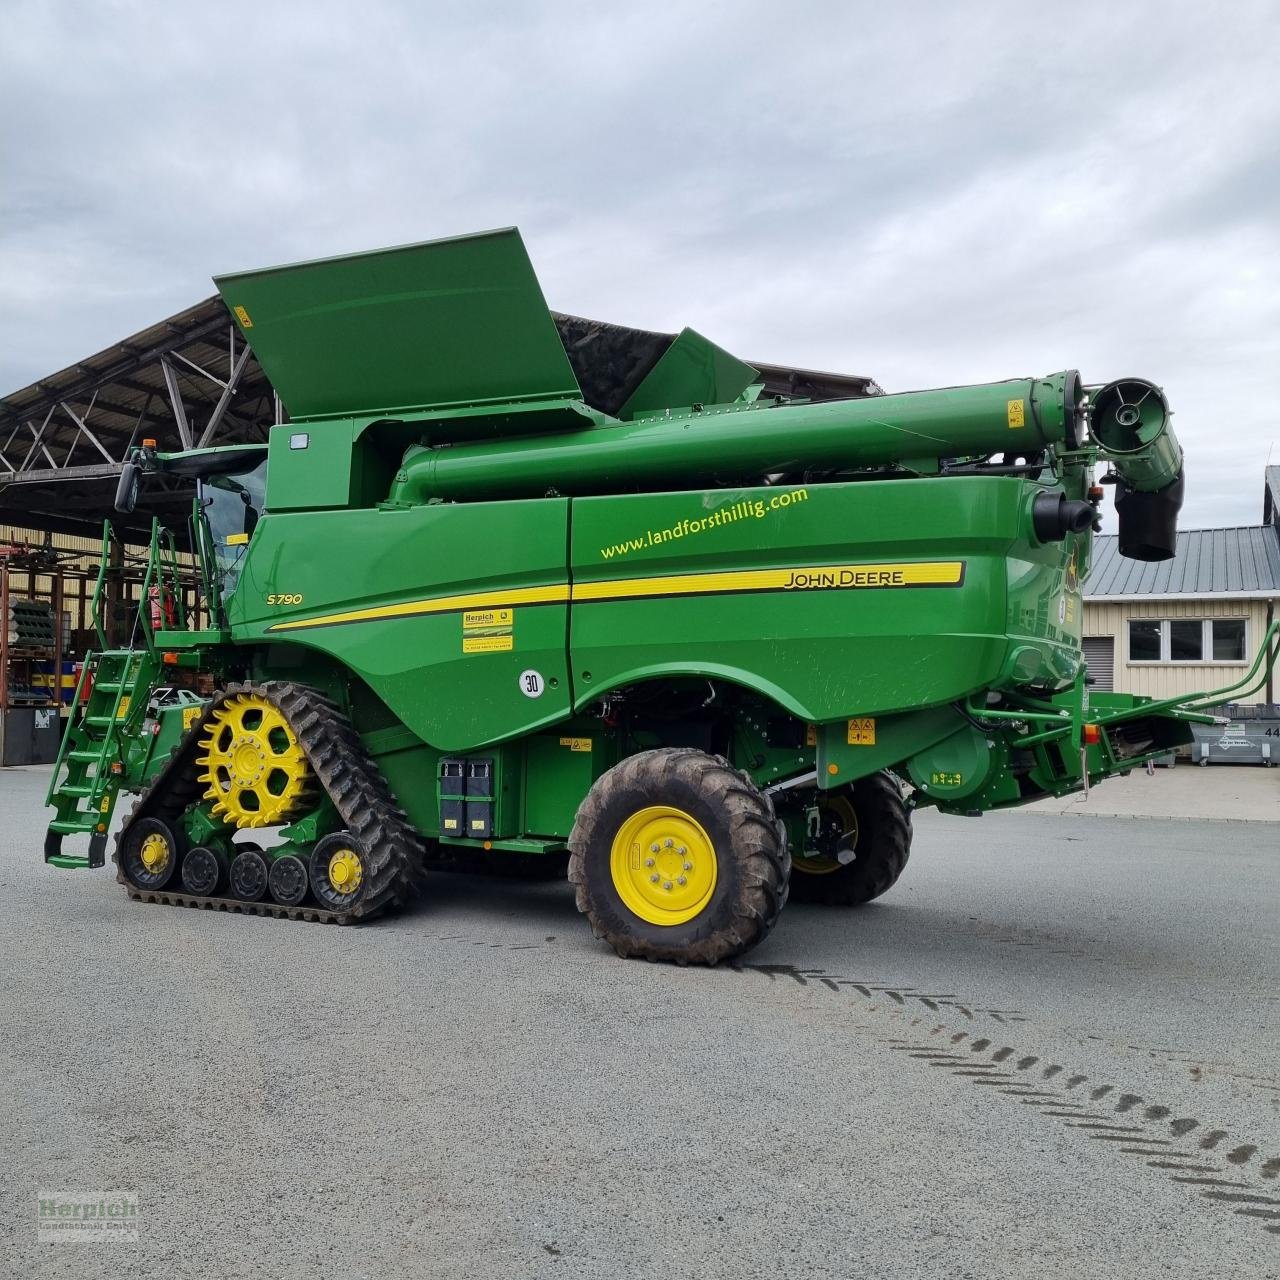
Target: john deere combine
x,y
522,588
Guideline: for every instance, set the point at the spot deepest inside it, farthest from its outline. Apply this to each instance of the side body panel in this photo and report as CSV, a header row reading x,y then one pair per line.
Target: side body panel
x,y
836,600
439,609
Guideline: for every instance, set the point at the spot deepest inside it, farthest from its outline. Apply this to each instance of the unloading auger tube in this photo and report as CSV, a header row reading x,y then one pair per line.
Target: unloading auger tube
x,y
742,442
1127,421
392,851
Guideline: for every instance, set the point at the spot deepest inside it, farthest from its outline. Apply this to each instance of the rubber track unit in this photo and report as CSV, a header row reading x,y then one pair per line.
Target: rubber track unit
x,y
393,849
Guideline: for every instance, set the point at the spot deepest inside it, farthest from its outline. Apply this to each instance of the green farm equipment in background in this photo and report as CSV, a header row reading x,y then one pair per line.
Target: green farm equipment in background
x,y
530,591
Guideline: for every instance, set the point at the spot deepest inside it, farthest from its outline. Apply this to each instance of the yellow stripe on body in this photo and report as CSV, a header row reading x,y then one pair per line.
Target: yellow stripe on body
x,y
846,577
808,577
557,594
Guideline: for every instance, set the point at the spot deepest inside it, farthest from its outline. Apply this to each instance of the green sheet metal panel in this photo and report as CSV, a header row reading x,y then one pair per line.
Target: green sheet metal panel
x,y
692,370
443,611
448,322
836,600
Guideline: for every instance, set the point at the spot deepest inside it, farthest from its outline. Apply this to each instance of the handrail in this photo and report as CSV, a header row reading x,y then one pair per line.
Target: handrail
x,y
95,607
144,595
207,566
77,708
171,577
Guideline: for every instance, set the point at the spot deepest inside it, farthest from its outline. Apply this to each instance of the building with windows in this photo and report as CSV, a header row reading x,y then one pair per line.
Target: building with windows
x,y
1189,624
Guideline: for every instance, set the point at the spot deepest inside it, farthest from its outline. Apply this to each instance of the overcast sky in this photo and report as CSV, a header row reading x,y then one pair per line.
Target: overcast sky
x,y
926,193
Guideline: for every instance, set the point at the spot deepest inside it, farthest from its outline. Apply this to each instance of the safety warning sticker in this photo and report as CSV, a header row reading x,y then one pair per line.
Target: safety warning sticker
x,y
862,732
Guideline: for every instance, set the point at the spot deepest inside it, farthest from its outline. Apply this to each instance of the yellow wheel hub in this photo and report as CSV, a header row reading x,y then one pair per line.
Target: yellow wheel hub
x,y
663,865
255,772
154,853
819,864
345,871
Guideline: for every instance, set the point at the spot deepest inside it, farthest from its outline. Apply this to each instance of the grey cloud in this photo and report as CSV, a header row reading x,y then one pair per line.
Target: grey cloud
x,y
929,195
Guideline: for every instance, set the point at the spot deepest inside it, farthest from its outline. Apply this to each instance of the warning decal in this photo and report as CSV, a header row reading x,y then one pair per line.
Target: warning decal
x,y
1016,414
862,732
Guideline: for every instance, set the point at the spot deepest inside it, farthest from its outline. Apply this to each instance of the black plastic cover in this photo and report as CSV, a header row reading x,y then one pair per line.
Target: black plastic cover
x,y
1149,521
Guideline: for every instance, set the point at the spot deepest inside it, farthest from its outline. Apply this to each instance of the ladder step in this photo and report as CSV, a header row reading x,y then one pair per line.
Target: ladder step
x,y
76,789
74,826
68,860
85,757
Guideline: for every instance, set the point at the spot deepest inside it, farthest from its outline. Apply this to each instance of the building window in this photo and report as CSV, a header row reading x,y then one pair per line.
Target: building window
x,y
1228,640
1144,641
1187,640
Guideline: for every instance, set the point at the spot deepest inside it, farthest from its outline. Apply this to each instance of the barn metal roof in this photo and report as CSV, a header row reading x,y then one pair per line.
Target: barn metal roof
x,y
1241,561
190,381
185,381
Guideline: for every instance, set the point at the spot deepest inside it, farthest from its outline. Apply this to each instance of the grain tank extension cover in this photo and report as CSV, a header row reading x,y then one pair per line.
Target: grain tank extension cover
x,y
448,322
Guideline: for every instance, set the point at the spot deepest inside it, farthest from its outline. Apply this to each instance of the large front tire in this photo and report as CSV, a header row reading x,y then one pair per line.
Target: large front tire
x,y
676,855
877,831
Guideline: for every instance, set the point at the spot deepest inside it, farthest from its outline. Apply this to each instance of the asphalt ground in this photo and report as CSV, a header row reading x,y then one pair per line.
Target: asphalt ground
x,y
1051,1050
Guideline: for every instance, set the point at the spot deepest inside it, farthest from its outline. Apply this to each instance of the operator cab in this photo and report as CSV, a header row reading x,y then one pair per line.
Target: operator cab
x,y
230,503
231,486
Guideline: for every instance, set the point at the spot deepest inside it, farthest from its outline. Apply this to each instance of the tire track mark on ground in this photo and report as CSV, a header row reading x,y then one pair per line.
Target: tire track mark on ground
x,y
1208,1162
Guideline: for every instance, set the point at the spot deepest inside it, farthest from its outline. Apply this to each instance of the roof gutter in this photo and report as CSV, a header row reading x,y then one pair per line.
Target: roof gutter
x,y
1261,594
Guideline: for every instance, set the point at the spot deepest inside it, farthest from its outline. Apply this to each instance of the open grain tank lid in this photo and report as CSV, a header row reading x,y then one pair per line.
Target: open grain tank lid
x,y
446,323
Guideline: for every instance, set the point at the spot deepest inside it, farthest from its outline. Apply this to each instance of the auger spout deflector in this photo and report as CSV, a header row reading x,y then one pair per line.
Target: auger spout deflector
x,y
1129,421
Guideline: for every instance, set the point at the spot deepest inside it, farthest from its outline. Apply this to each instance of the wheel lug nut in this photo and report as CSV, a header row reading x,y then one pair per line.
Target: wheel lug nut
x,y
655,878
682,851
648,862
688,866
653,848
682,880
669,843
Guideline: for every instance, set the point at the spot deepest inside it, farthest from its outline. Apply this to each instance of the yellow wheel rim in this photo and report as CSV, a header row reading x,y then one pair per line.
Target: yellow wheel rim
x,y
345,871
819,864
255,772
663,865
154,853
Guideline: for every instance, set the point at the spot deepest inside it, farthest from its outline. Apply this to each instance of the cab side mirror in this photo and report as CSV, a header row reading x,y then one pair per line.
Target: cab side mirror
x,y
127,489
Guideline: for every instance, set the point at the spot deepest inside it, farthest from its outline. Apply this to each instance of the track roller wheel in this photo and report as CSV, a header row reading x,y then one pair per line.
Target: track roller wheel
x,y
676,855
151,853
338,871
249,876
204,871
862,849
287,880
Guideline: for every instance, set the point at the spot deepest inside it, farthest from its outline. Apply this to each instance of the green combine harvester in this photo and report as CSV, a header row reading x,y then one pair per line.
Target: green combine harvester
x,y
519,590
